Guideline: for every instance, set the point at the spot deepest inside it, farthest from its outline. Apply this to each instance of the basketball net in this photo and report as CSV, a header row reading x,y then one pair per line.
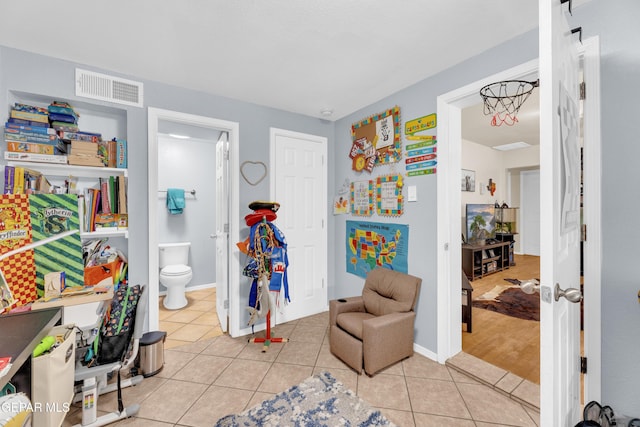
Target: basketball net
x,y
502,100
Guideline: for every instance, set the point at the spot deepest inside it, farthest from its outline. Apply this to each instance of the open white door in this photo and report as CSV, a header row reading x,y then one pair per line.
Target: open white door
x,y
559,218
222,231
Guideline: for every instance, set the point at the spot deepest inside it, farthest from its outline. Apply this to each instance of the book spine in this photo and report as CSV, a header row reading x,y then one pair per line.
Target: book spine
x,y
42,139
122,195
34,157
31,123
18,181
29,147
65,118
40,130
80,136
104,194
36,117
9,172
121,153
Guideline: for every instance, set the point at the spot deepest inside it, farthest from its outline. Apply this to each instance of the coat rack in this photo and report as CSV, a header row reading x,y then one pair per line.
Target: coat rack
x,y
261,249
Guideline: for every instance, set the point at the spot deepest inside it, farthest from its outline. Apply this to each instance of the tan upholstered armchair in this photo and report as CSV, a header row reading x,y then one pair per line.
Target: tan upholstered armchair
x,y
375,329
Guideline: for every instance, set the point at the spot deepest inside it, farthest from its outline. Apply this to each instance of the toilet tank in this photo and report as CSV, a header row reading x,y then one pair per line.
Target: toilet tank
x,y
174,253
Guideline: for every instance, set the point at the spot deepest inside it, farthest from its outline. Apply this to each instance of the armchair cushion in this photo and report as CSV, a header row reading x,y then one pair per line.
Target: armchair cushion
x,y
353,322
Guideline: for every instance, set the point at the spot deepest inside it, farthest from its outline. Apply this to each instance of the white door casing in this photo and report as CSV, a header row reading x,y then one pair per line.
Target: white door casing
x,y
222,231
559,218
449,105
154,116
298,183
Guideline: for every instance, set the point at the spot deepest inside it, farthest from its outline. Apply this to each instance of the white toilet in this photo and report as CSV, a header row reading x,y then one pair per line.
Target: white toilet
x,y
175,274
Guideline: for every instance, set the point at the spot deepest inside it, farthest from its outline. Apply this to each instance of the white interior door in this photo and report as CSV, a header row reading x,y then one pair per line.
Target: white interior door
x,y
530,212
560,218
222,231
298,183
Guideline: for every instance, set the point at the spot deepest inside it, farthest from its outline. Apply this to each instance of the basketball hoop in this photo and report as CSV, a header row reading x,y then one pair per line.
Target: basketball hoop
x,y
502,100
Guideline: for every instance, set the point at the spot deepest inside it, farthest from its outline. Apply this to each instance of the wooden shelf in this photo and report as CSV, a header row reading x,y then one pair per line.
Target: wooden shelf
x,y
476,266
70,170
70,300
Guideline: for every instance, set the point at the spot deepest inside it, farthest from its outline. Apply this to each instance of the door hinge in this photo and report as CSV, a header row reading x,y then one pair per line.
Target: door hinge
x,y
583,365
583,232
226,228
323,283
583,91
225,304
226,153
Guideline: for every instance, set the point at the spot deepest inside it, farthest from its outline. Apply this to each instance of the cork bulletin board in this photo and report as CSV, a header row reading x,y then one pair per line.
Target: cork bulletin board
x,y
376,140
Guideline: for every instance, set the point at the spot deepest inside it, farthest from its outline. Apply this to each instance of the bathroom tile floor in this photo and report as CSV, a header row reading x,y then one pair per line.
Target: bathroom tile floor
x,y
208,375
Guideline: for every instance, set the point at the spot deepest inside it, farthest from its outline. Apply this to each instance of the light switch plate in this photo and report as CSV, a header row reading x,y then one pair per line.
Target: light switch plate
x,y
413,193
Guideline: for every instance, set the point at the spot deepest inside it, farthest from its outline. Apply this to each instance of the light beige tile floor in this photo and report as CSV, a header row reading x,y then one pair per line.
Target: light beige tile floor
x,y
208,375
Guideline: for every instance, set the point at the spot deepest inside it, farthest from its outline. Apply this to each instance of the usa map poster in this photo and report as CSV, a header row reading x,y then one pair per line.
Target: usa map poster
x,y
374,244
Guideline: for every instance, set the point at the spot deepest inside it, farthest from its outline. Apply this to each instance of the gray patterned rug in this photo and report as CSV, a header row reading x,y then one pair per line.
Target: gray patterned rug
x,y
318,401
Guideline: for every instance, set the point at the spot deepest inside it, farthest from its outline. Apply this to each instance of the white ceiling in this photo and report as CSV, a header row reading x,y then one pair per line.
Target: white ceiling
x,y
301,56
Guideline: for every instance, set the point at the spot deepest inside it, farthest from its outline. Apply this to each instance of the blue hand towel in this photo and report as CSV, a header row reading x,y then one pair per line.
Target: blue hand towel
x,y
175,200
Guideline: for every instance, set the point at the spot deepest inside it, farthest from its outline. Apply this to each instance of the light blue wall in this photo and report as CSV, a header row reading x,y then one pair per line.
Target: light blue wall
x,y
615,21
416,101
54,78
190,165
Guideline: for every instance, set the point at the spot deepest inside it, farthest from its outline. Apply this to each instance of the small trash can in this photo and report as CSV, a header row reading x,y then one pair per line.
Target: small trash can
x,y
151,351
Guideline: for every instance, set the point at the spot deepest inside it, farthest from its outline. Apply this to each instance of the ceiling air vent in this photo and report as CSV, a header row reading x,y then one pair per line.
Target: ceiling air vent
x,y
108,88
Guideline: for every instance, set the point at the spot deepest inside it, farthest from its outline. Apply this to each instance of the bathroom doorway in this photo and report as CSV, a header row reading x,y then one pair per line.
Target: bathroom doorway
x,y
161,123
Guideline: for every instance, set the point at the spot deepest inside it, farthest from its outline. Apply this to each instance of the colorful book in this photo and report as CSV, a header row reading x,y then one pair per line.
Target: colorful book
x,y
80,136
60,109
11,135
19,269
65,127
34,157
34,117
53,214
24,122
26,108
30,147
121,153
9,172
40,130
65,118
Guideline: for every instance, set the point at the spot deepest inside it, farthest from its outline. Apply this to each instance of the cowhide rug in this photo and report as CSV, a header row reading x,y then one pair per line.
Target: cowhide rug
x,y
510,300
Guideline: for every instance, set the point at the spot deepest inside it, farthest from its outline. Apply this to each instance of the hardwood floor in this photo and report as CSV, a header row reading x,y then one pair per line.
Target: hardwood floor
x,y
507,342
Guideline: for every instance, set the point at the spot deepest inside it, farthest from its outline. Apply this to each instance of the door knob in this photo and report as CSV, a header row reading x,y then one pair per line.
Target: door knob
x,y
530,286
572,294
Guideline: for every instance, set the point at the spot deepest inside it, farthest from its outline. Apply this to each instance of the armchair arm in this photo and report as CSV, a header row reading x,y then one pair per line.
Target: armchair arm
x,y
344,305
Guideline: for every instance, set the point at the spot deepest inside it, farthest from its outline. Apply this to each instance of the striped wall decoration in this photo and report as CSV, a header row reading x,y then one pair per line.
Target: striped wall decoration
x,y
52,214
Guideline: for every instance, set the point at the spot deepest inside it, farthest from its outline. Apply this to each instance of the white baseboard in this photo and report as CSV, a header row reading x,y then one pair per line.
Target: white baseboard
x,y
426,353
193,288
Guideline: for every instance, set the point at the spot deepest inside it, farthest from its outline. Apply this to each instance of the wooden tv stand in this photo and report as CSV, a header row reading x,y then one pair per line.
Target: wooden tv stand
x,y
480,260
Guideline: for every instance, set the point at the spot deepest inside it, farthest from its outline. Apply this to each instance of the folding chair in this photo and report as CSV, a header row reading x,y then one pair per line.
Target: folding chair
x,y
92,380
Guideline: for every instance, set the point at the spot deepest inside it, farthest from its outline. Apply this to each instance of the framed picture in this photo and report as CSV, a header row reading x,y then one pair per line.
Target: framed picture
x,y
468,180
361,198
389,195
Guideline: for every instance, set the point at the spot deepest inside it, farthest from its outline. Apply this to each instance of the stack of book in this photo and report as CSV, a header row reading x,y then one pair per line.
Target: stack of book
x,y
84,153
62,116
105,206
29,115
29,137
19,180
114,153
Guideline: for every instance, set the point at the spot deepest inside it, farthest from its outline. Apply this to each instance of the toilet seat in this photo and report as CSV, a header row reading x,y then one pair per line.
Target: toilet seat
x,y
175,270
